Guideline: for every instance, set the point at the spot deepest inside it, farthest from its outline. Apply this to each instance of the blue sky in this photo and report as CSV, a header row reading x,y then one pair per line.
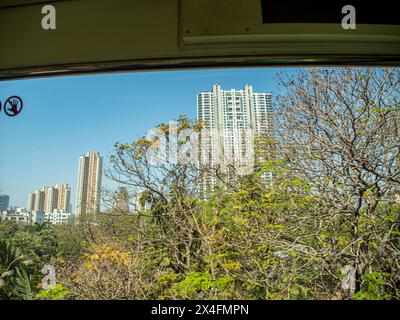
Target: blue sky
x,y
65,117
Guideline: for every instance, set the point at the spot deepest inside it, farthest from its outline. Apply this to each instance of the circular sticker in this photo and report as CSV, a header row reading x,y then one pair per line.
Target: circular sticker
x,y
13,106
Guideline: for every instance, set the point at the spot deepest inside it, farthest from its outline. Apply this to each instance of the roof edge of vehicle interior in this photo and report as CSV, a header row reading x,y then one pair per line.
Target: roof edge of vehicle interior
x,y
198,63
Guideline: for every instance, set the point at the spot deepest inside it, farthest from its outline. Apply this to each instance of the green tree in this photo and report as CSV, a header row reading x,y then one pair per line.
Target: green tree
x,y
14,277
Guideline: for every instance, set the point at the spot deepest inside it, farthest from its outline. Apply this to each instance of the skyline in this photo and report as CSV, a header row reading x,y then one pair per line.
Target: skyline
x,y
41,141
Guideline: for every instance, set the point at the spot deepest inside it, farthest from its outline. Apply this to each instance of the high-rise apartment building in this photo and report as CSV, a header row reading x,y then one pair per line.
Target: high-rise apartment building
x,y
63,197
4,201
49,199
121,200
233,119
89,183
142,201
40,197
31,202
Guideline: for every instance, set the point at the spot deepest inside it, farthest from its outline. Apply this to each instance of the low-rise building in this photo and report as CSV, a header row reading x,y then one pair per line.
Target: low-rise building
x,y
37,217
22,216
57,217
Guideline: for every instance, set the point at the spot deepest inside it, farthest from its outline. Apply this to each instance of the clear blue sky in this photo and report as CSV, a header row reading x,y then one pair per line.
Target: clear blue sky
x,y
65,117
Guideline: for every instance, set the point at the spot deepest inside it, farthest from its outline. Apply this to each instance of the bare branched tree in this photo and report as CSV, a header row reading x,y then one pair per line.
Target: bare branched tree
x,y
339,130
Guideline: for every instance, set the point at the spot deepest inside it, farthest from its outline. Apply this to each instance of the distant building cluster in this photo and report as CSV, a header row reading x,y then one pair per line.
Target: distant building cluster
x,y
52,204
49,199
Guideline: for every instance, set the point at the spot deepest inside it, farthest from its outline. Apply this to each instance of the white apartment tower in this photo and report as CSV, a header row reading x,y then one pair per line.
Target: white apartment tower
x,y
89,183
228,114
